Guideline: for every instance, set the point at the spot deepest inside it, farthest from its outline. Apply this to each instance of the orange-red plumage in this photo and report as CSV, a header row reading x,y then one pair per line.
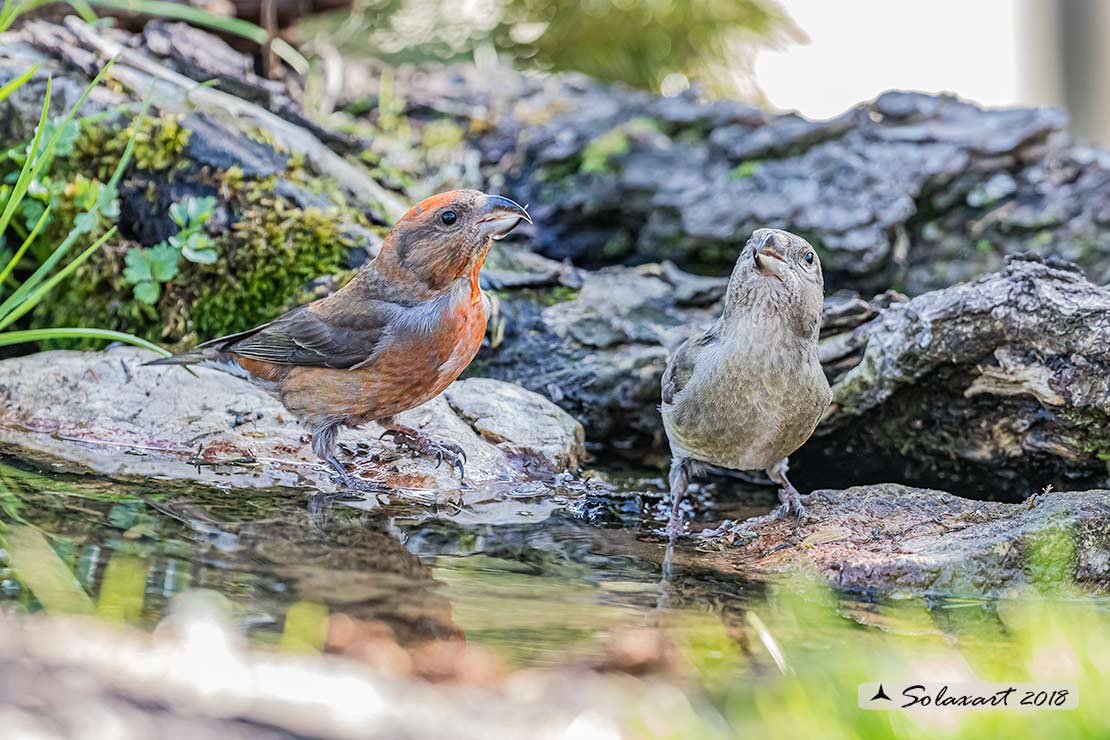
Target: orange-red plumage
x,y
393,338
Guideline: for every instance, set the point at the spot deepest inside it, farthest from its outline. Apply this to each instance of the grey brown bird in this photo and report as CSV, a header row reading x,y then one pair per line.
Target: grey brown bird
x,y
397,335
749,391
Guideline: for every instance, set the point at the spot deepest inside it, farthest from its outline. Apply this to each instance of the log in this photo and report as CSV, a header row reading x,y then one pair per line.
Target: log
x,y
910,191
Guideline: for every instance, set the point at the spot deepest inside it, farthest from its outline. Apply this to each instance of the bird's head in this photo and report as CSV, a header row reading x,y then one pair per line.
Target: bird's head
x,y
778,274
447,236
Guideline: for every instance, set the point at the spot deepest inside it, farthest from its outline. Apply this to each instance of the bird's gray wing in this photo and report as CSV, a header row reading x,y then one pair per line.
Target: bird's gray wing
x,y
306,336
682,364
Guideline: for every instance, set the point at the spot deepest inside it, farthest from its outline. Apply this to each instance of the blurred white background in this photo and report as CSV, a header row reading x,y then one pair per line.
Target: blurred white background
x,y
995,52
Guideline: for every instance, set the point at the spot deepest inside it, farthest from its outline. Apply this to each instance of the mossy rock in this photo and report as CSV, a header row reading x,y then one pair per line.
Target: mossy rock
x,y
273,234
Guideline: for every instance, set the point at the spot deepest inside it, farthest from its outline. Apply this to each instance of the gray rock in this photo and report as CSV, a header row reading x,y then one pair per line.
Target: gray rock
x,y
215,145
995,388
227,125
520,422
599,355
106,412
898,541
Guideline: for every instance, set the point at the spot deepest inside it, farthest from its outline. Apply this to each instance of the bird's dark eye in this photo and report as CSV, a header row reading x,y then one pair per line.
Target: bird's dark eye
x,y
809,258
448,217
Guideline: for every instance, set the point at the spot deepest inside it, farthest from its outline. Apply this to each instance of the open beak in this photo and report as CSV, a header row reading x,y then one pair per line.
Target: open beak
x,y
770,257
500,216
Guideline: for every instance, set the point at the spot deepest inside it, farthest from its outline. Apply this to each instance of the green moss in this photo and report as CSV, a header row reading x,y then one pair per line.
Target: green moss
x,y
442,133
98,296
1091,429
744,170
599,153
159,145
271,251
542,296
618,245
1051,559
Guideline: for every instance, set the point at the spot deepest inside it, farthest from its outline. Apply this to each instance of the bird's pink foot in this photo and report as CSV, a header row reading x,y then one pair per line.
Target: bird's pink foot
x,y
790,503
422,444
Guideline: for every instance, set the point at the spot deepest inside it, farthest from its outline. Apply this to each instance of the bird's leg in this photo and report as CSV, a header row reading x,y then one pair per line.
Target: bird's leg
x,y
423,444
680,481
790,499
323,444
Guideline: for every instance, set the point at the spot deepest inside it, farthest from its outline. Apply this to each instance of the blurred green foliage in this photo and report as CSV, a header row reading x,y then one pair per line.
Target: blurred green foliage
x,y
638,42
1015,640
661,45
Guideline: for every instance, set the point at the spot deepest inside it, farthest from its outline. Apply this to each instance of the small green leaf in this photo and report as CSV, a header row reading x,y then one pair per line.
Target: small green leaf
x,y
744,170
137,266
147,292
85,222
67,130
201,256
163,262
31,209
179,214
199,209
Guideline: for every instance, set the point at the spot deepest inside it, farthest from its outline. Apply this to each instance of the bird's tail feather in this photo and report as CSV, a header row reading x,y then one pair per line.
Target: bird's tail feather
x,y
185,358
209,358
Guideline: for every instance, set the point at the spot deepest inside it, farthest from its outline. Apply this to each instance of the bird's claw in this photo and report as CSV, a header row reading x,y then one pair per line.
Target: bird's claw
x,y
791,504
424,445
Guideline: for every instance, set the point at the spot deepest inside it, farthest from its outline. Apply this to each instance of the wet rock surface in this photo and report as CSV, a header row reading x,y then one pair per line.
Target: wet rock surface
x,y
108,413
899,541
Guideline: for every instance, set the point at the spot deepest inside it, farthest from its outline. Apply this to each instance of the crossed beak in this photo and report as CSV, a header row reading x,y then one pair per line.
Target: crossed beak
x,y
770,256
500,216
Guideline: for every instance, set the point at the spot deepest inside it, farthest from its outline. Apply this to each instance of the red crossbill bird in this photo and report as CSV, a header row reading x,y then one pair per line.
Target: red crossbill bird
x,y
401,331
749,391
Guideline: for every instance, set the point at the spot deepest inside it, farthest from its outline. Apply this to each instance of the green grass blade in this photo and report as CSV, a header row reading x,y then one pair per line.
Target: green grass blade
x,y
129,150
24,246
36,159
290,56
26,173
17,83
84,10
48,153
39,335
52,261
16,9
39,293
